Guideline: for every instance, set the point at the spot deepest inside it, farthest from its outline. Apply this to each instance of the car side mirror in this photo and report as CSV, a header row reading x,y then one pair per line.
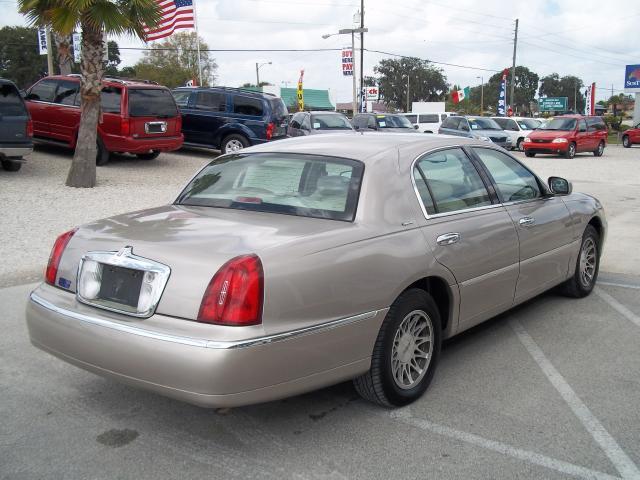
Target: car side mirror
x,y
560,186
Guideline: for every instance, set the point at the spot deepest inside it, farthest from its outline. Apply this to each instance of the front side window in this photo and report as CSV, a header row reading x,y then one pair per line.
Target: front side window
x,y
292,184
247,106
43,91
451,122
211,101
515,183
452,180
66,92
151,102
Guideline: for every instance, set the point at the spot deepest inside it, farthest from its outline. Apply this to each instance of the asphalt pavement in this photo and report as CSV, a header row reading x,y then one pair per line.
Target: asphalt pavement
x,y
548,390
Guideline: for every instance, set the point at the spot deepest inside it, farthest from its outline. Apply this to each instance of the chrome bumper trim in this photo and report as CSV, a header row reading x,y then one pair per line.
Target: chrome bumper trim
x,y
196,342
16,151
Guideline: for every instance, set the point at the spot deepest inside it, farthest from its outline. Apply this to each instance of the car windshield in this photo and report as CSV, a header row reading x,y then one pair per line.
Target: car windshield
x,y
151,102
291,184
483,124
393,121
528,123
330,122
10,101
560,124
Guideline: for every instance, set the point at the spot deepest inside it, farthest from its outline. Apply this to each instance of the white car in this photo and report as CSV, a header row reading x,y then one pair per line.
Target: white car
x,y
518,128
427,122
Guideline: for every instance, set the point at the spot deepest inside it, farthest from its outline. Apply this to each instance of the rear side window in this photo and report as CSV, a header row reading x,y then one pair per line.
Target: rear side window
x,y
296,120
247,106
43,91
211,101
110,99
66,92
431,118
412,118
181,97
452,181
595,124
279,109
292,184
10,101
151,102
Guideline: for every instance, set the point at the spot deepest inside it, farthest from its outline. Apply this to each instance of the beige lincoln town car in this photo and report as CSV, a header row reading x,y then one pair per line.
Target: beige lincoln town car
x,y
306,262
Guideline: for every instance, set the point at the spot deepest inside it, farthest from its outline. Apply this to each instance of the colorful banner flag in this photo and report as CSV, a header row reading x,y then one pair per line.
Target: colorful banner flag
x,y
176,14
502,96
347,62
590,94
300,93
76,40
459,95
42,41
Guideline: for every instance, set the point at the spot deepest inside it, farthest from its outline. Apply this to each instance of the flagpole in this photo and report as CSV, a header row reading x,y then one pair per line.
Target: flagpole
x,y
195,23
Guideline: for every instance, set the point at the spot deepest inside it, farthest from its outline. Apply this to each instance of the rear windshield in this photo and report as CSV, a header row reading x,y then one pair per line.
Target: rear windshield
x,y
561,124
279,108
10,101
291,184
330,122
151,102
393,121
431,118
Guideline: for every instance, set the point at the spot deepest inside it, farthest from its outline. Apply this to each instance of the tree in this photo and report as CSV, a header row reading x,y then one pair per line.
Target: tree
x,y
526,84
568,86
63,47
426,82
113,58
93,18
20,60
174,61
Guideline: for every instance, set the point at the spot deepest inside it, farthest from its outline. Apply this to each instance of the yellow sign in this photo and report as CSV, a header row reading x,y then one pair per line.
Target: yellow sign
x,y
300,93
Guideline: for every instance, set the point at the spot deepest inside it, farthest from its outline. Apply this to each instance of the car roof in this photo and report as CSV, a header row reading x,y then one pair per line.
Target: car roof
x,y
110,81
359,146
243,91
6,81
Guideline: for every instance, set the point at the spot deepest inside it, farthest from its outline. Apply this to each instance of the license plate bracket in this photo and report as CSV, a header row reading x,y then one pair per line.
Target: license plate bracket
x,y
120,285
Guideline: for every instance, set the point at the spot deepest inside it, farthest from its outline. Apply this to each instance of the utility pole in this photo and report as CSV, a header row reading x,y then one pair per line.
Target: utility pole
x,y
49,53
575,98
257,75
408,82
513,68
481,94
362,30
353,74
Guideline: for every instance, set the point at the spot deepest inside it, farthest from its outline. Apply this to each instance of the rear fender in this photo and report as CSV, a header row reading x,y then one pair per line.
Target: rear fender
x,y
232,128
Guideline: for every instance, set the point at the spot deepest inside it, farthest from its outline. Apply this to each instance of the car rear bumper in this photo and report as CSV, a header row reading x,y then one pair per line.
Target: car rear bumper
x,y
210,373
142,145
15,151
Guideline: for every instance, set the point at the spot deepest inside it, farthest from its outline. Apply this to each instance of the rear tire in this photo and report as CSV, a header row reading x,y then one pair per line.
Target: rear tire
x,y
520,144
102,155
11,165
529,154
626,142
585,274
233,143
406,352
571,151
599,151
148,156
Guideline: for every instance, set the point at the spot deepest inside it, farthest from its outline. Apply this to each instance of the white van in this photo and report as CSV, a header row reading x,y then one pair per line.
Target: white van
x,y
427,122
518,129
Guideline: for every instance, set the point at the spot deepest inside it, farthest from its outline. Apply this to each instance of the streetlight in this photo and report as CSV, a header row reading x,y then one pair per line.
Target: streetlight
x,y
352,31
258,72
481,94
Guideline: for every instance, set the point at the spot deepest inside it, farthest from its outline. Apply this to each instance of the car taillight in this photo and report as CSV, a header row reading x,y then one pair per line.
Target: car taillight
x,y
234,295
29,128
270,128
125,126
56,253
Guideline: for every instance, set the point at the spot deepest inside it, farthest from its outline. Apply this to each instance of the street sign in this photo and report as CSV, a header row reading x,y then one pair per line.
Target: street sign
x,y
554,104
632,79
372,94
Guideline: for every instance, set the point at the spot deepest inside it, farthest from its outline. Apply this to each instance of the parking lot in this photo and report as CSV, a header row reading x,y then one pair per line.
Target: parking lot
x,y
549,390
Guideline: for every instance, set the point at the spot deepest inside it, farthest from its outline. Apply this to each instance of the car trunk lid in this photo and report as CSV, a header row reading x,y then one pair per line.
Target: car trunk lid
x,y
152,113
13,116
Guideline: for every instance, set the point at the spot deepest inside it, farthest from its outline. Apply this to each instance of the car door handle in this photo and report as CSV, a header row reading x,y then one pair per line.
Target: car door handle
x,y
448,239
527,221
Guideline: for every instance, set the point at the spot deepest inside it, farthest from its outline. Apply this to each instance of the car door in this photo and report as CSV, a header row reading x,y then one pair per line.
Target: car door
x,y
469,232
64,124
634,136
542,220
39,100
204,115
583,139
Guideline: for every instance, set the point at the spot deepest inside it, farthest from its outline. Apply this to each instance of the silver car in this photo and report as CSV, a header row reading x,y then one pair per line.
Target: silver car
x,y
306,262
480,128
313,123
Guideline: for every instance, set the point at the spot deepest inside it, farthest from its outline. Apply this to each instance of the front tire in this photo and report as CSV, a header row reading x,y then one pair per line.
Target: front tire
x,y
406,352
520,145
11,165
529,154
599,151
233,143
571,151
587,266
626,142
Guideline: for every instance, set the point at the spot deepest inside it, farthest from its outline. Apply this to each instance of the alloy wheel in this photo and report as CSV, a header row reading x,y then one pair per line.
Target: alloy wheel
x,y
233,145
412,349
588,259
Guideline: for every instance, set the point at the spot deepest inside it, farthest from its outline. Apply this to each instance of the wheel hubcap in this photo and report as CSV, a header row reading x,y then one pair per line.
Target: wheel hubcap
x,y
588,258
600,149
234,146
412,349
572,150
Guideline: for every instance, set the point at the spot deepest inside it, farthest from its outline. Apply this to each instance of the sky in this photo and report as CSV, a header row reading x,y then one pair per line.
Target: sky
x,y
592,39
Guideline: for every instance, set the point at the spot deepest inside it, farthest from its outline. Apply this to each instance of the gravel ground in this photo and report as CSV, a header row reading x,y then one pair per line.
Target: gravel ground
x,y
38,207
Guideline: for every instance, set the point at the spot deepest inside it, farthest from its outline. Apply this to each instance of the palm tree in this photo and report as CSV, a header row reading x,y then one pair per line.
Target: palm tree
x,y
94,18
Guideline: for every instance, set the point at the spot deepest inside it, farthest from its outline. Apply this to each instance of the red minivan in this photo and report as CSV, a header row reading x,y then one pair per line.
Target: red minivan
x,y
568,135
137,117
631,137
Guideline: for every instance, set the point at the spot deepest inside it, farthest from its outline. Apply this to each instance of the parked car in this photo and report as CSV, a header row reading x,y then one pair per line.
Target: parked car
x,y
481,128
568,135
16,127
311,123
281,269
137,117
427,122
230,119
369,122
518,128
631,136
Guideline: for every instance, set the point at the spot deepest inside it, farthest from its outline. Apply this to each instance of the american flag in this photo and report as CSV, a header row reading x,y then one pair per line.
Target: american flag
x,y
176,14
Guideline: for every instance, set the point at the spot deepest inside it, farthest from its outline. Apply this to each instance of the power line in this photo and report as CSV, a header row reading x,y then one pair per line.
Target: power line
x,y
433,61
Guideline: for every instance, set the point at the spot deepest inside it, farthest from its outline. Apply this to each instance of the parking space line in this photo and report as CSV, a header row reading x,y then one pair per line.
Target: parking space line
x,y
404,415
618,307
623,285
624,465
